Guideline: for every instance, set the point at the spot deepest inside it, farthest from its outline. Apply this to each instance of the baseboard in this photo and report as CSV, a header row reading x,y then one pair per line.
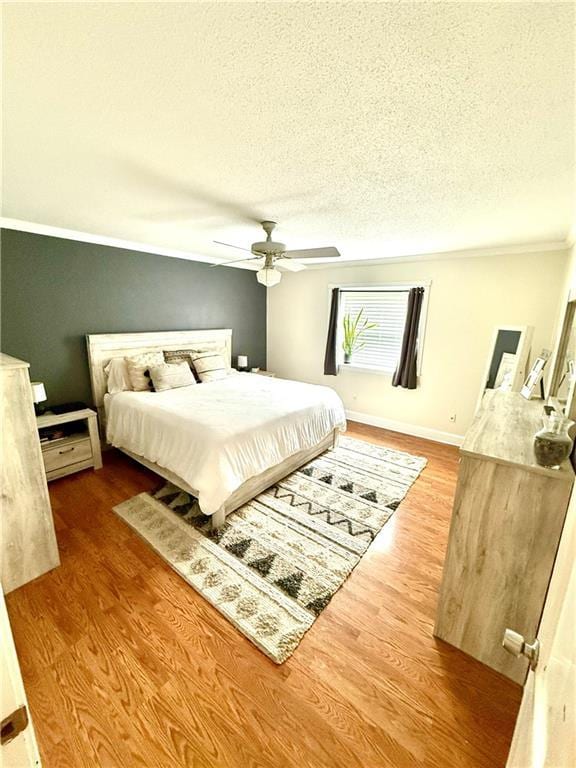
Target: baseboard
x,y
407,429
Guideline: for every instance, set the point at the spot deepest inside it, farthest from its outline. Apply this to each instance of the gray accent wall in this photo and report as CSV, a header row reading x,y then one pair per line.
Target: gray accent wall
x,y
55,291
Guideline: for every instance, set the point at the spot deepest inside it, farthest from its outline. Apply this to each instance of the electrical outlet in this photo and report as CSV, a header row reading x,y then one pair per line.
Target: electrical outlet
x,y
452,417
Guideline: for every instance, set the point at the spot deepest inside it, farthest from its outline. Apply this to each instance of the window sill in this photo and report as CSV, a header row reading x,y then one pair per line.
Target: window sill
x,y
364,369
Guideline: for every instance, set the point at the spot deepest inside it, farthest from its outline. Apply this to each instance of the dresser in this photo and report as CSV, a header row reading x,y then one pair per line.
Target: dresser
x,y
505,529
28,543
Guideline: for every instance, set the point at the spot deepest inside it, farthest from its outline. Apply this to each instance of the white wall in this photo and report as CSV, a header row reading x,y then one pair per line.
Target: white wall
x,y
468,298
571,270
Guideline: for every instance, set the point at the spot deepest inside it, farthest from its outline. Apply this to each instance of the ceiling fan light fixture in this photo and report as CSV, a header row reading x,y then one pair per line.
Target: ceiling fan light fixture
x,y
268,276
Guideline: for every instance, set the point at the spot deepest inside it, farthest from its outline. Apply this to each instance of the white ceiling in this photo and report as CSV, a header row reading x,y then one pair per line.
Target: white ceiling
x,y
384,129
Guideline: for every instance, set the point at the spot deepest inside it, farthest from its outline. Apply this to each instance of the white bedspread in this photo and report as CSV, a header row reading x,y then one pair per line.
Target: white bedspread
x,y
217,435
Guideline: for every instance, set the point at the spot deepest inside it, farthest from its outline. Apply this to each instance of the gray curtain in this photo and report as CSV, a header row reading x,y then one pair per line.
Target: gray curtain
x,y
330,365
405,375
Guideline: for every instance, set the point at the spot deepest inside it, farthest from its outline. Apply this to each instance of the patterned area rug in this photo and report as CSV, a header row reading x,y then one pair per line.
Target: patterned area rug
x,y
277,561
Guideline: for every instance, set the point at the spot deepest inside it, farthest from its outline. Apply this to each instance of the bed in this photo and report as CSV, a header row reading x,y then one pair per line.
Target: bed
x,y
223,441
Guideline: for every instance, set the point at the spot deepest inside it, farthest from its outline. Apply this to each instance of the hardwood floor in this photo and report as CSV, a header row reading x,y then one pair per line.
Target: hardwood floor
x,y
125,665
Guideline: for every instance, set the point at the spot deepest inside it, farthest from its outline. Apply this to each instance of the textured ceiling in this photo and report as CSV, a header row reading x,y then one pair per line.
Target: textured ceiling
x,y
384,129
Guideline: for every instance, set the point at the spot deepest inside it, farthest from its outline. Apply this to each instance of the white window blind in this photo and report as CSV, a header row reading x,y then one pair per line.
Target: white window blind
x,y
386,308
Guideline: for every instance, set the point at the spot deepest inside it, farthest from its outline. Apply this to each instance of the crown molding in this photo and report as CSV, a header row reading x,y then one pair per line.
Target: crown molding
x,y
132,245
468,253
112,242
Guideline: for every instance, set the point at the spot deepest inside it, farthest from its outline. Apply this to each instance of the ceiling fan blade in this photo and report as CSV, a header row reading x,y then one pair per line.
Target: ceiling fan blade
x,y
229,245
236,261
314,253
290,265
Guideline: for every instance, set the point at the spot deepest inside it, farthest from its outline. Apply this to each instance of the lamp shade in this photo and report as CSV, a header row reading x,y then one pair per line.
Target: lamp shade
x,y
38,391
268,276
242,361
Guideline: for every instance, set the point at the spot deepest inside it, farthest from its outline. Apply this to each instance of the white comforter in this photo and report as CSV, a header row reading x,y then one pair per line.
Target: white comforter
x,y
219,434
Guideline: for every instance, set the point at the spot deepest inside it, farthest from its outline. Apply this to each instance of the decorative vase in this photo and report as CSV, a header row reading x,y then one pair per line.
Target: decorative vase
x,y
347,357
553,444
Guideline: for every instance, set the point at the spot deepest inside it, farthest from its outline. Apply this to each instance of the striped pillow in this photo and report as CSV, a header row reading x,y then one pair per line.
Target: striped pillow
x,y
171,376
210,366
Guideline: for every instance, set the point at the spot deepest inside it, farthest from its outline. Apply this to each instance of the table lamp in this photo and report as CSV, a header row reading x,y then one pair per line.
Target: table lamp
x,y
38,396
242,363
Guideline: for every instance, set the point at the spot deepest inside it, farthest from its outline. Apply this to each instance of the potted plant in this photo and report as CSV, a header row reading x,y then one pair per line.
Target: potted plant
x,y
353,330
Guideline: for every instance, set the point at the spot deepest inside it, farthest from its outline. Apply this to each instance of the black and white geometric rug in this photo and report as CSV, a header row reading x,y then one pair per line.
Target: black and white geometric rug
x,y
277,561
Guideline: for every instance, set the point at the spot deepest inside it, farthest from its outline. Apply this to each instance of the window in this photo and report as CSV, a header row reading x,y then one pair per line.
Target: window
x,y
385,307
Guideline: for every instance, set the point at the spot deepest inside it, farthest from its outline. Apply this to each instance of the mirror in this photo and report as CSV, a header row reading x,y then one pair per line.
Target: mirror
x,y
508,358
563,381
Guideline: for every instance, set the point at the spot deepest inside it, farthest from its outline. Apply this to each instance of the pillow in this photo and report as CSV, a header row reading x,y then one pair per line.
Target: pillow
x,y
117,374
209,366
138,365
179,356
171,376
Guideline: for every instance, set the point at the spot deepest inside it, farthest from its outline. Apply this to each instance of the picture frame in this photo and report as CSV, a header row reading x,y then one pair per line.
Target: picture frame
x,y
534,377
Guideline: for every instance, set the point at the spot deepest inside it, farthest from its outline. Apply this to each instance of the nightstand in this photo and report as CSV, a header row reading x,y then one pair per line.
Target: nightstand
x,y
78,449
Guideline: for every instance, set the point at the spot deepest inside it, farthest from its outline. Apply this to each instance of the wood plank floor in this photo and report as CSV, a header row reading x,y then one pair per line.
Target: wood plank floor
x,y
125,665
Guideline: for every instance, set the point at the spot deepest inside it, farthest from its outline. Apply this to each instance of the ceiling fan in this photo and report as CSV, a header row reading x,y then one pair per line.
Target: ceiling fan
x,y
276,256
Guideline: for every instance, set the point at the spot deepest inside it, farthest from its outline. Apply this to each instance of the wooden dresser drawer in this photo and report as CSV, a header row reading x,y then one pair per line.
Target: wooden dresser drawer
x,y
68,453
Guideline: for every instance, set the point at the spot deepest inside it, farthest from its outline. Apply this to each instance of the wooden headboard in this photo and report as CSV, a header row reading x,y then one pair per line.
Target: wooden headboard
x,y
103,347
